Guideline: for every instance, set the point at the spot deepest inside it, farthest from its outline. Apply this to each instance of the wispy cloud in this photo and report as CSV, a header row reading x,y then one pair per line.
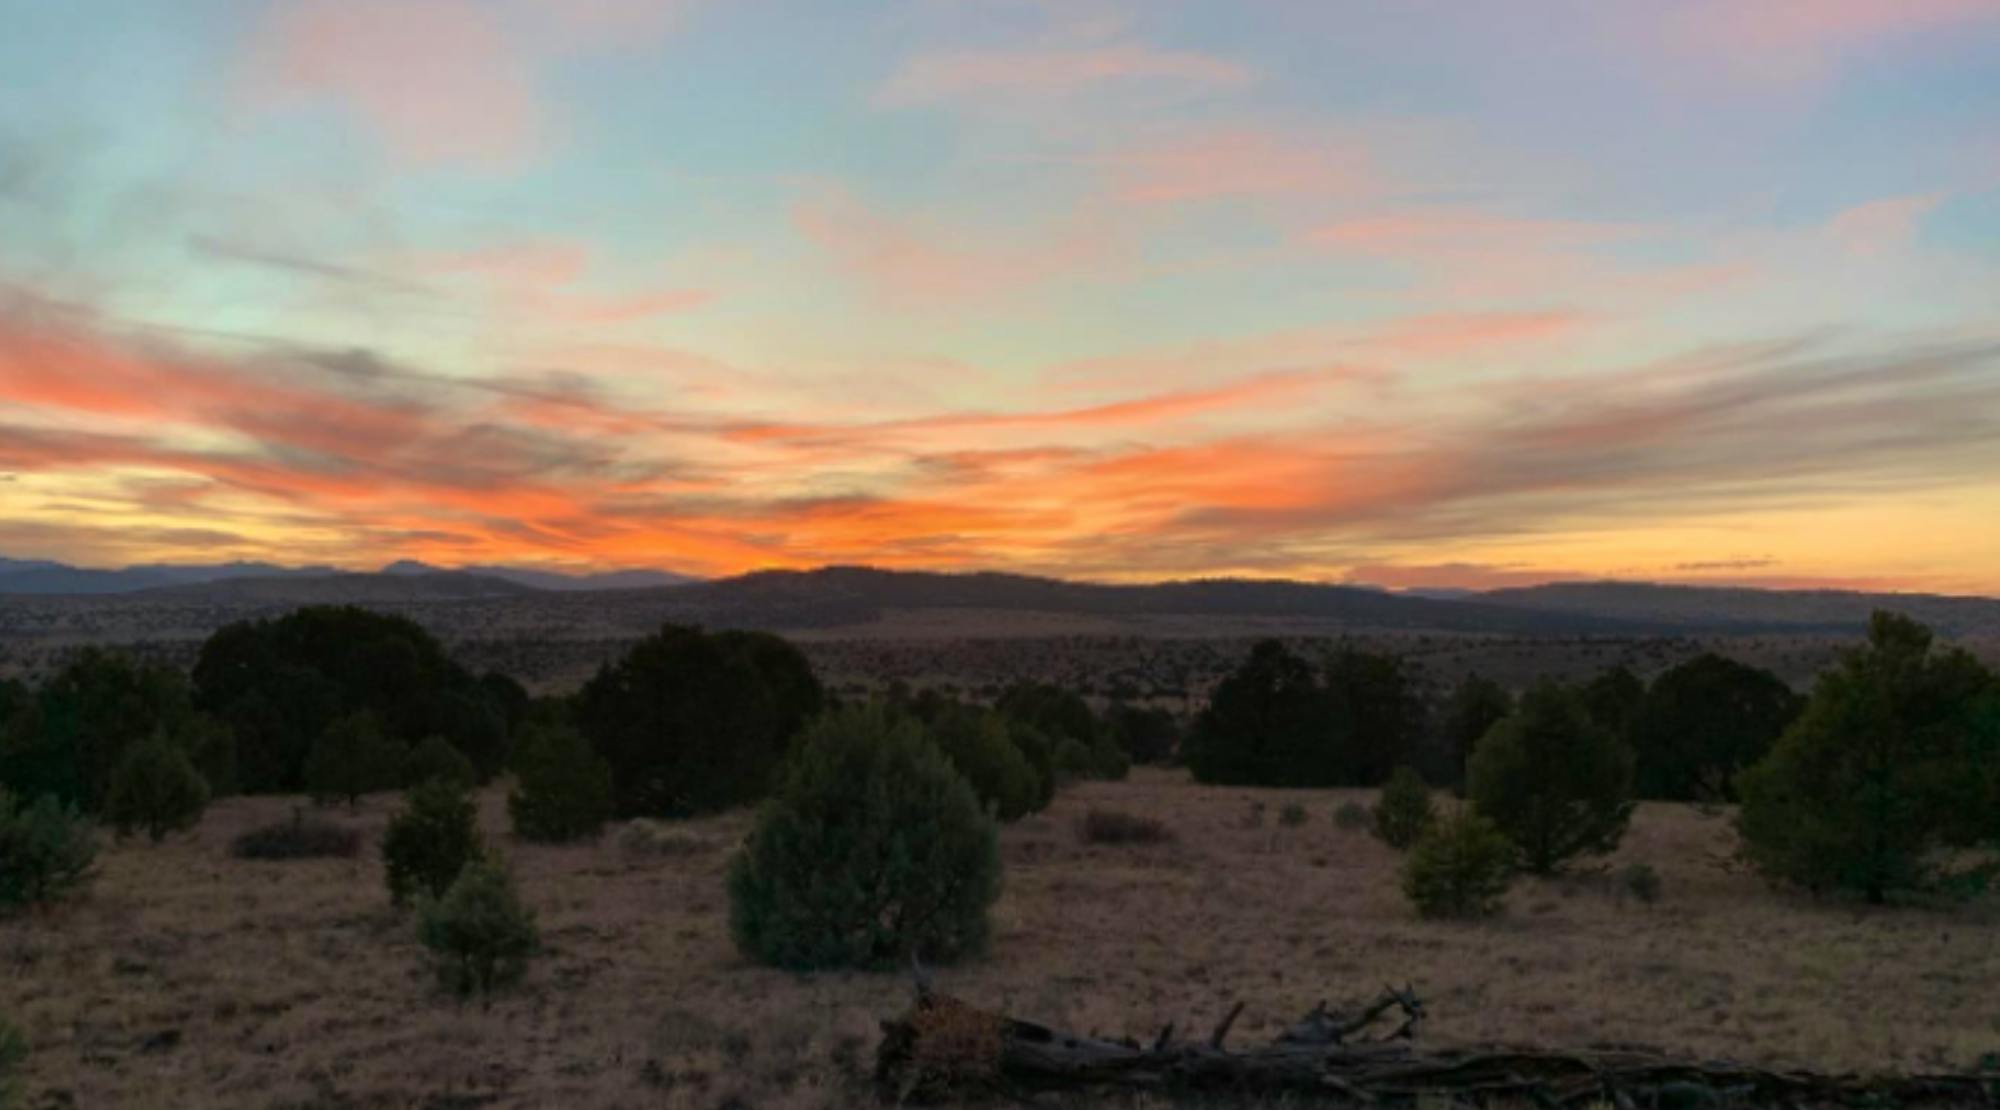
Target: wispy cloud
x,y
1051,71
437,80
915,260
1797,40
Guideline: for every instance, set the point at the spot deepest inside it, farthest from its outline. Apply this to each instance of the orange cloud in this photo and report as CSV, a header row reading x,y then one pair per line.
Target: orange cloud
x,y
49,360
1162,408
393,461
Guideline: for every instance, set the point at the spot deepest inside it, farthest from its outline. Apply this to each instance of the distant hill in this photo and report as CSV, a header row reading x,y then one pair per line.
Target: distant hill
x,y
44,577
847,596
341,589
1710,607
555,579
856,595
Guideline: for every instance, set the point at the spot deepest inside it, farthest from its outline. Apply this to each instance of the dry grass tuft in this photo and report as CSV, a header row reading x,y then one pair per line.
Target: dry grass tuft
x,y
646,839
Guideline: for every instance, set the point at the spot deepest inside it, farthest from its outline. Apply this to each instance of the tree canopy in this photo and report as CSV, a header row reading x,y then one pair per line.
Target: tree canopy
x,y
1553,780
1703,721
1279,721
1891,760
693,723
280,683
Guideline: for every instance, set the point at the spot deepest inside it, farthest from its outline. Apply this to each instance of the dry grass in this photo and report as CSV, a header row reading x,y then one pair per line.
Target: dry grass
x,y
189,978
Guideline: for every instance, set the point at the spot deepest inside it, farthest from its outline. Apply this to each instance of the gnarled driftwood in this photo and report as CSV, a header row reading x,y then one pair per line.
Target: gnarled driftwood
x,y
945,1048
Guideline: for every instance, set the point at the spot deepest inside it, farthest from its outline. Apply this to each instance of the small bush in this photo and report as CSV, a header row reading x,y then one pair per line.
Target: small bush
x,y
297,838
435,758
1039,749
1074,762
1109,826
430,841
46,851
1403,813
351,758
978,745
873,850
156,788
563,787
1640,881
1352,817
1459,869
13,1053
479,934
1292,816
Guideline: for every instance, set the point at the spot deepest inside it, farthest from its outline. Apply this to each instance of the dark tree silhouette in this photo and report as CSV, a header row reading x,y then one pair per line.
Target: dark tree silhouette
x,y
280,683
1475,705
1374,695
1147,734
1702,722
1612,699
693,723
69,739
1268,723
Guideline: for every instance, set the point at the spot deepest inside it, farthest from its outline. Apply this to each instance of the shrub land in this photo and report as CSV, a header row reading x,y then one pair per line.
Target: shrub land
x,y
878,836
640,988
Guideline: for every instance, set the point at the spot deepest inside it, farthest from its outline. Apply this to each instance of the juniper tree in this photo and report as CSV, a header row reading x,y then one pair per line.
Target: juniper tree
x,y
1553,781
873,850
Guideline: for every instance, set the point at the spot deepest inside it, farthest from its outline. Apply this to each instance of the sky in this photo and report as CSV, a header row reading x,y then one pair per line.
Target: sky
x,y
1415,294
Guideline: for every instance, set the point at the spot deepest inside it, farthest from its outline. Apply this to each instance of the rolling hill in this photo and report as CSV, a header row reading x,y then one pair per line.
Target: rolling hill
x,y
1712,607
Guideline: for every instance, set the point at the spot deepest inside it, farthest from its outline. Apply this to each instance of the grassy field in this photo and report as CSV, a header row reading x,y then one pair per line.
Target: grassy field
x,y
188,978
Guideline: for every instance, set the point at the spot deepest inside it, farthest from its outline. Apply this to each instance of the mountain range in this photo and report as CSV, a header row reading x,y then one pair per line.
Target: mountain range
x,y
846,596
43,577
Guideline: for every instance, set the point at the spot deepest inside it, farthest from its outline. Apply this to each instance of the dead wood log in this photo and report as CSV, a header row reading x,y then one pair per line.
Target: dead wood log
x,y
946,1049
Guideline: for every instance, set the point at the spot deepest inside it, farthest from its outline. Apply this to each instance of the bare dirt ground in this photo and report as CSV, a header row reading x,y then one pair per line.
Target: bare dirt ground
x,y
188,978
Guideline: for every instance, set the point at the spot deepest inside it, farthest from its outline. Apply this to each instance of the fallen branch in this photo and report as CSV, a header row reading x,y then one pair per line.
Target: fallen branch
x,y
946,1049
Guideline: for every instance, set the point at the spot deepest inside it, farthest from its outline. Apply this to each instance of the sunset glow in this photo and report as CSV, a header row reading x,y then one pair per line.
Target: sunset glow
x,y
1411,294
